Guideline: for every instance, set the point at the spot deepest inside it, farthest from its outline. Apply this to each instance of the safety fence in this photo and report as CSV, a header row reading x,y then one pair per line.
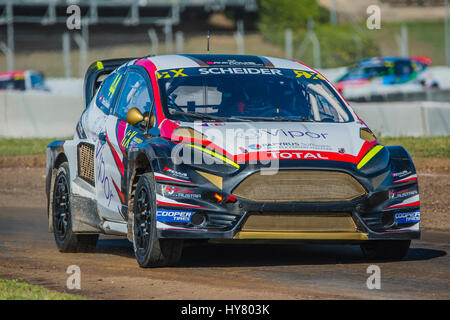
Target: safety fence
x,y
43,114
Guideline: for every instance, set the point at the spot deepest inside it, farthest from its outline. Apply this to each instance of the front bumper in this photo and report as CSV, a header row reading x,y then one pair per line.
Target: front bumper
x,y
372,213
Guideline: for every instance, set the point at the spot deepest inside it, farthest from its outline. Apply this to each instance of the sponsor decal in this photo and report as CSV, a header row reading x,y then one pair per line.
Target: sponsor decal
x,y
260,71
281,133
295,155
233,62
402,194
171,73
308,75
213,124
163,215
296,133
341,150
407,217
408,202
102,178
178,174
255,146
127,138
176,192
401,174
290,145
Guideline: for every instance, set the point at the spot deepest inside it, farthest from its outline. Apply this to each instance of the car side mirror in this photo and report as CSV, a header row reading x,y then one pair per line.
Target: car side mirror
x,y
134,116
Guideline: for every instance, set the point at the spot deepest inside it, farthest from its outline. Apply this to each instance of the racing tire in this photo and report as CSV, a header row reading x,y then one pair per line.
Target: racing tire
x,y
66,239
385,249
148,249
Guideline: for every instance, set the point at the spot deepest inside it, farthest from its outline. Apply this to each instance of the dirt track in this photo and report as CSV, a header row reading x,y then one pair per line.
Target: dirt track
x,y
223,271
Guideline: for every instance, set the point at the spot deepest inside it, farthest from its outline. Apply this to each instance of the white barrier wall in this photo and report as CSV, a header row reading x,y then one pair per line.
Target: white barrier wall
x,y
38,114
42,114
414,119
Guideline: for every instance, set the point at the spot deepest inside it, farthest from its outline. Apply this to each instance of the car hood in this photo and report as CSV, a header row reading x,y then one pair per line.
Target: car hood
x,y
324,141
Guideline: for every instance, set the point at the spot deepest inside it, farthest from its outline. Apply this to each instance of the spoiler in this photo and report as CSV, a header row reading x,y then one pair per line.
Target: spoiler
x,y
97,69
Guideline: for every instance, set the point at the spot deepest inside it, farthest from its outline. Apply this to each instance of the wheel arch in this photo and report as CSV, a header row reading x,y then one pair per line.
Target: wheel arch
x,y
139,162
55,157
401,158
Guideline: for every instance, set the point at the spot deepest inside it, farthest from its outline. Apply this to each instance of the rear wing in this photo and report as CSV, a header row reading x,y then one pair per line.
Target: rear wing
x,y
93,78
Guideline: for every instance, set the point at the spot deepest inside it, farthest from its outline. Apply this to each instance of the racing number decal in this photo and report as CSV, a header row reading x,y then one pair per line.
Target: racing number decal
x,y
175,73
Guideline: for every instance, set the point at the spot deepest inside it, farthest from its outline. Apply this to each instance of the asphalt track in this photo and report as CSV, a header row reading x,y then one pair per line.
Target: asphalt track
x,y
221,271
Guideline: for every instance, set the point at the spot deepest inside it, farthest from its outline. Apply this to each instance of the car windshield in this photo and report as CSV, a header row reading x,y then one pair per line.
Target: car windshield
x,y
366,72
249,94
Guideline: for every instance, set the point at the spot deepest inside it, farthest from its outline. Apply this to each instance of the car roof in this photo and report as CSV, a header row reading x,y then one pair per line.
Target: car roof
x,y
221,60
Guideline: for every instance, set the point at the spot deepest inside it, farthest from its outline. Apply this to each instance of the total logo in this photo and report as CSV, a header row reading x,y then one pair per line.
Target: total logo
x,y
295,155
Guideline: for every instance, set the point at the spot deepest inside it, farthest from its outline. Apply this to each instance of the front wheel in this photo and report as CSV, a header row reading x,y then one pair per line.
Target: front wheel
x,y
66,239
385,249
148,249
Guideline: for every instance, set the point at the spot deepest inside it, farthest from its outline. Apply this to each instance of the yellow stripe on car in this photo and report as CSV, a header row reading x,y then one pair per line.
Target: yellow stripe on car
x,y
99,65
214,154
369,155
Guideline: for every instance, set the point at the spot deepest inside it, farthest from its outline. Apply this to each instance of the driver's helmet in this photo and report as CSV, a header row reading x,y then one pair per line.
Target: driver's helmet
x,y
254,98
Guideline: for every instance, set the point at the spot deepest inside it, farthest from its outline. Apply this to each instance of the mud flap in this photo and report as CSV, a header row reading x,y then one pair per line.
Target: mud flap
x,y
85,217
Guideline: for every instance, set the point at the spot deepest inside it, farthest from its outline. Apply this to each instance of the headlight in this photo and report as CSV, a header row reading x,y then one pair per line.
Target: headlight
x,y
367,134
187,134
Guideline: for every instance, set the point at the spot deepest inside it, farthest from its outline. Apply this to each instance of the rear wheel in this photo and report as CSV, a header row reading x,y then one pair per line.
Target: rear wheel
x,y
385,249
148,249
66,239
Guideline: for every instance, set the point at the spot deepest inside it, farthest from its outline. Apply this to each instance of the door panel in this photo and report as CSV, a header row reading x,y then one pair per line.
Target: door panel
x,y
111,164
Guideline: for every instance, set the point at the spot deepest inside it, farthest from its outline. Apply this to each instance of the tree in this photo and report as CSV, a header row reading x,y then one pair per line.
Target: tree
x,y
277,15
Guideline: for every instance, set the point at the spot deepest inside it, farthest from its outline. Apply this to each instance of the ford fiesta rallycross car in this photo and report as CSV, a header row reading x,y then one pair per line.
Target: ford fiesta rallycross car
x,y
182,147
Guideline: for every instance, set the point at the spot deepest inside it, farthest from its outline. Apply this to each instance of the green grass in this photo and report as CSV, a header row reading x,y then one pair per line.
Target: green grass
x,y
423,147
23,146
21,290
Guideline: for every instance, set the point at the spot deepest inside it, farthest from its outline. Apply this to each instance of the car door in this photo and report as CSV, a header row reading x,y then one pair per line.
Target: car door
x,y
119,136
99,118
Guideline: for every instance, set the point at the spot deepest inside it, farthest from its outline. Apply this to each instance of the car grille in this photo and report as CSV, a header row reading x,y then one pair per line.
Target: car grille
x,y
300,222
86,162
300,185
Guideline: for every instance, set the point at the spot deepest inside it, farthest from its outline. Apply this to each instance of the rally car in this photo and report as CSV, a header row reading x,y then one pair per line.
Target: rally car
x,y
180,147
386,70
23,80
